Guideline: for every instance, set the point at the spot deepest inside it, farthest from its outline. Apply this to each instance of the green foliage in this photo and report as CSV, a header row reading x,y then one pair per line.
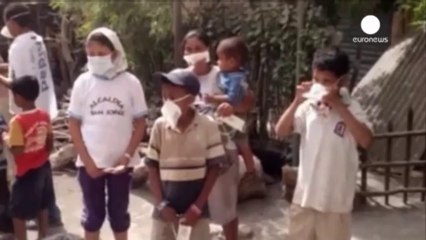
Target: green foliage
x,y
144,28
418,8
270,30
269,27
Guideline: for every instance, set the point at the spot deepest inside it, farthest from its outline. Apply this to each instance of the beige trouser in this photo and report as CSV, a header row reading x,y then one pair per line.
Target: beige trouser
x,y
223,197
309,224
164,231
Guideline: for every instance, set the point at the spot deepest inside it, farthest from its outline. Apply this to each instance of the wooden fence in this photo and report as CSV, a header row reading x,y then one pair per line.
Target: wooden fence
x,y
389,163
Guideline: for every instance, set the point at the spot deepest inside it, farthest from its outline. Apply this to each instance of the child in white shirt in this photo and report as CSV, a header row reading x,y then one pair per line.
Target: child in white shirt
x,y
107,122
331,126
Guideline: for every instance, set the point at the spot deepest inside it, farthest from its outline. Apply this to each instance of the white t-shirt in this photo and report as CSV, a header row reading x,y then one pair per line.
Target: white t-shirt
x,y
28,57
209,84
107,109
328,159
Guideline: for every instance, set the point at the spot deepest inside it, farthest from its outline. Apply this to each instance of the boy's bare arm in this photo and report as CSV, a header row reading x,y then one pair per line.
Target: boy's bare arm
x,y
212,174
49,142
77,138
137,136
155,184
5,81
217,98
16,150
285,124
362,134
4,68
195,210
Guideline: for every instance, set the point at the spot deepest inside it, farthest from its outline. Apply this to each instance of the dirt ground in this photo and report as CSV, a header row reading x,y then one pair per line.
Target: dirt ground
x,y
266,217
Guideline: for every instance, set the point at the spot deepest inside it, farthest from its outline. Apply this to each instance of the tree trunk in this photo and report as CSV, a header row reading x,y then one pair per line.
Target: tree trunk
x,y
177,31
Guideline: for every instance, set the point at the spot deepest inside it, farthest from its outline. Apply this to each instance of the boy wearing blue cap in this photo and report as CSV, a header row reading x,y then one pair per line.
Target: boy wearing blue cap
x,y
184,157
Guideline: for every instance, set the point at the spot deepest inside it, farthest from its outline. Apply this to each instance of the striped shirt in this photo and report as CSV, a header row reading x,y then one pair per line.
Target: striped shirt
x,y
184,157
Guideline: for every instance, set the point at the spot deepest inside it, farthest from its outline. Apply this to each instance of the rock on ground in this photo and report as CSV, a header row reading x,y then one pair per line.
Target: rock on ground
x,y
140,176
63,157
251,187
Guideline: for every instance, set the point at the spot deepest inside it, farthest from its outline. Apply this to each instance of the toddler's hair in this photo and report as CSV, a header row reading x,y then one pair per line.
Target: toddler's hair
x,y
234,47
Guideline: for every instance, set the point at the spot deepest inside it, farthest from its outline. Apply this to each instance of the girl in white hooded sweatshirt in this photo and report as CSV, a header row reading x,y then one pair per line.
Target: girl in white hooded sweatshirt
x,y
107,122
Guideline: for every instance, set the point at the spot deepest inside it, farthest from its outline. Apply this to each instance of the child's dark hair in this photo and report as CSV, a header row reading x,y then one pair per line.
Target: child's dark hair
x,y
201,36
333,60
234,47
102,39
26,87
19,13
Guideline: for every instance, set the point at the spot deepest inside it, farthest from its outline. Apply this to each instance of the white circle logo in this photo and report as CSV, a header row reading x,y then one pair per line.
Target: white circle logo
x,y
370,24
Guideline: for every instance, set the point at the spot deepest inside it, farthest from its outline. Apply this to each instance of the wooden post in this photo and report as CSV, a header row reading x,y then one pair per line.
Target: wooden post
x,y
423,197
356,68
177,31
408,152
364,171
301,9
388,159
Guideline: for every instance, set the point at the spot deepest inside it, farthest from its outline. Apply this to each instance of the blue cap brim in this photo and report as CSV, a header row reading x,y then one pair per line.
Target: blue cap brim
x,y
165,77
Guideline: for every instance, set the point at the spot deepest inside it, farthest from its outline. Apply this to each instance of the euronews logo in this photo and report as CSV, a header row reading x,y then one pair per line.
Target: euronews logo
x,y
370,25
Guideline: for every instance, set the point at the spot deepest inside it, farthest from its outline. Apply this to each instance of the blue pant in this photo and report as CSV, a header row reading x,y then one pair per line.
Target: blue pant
x,y
97,202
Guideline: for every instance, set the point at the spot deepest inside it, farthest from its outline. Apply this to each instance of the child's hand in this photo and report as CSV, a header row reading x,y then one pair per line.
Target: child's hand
x,y
208,98
191,216
94,171
119,167
332,98
168,214
225,110
4,137
301,89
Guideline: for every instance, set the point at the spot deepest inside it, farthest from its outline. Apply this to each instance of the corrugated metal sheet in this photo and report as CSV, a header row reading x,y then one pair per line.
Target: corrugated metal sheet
x,y
396,83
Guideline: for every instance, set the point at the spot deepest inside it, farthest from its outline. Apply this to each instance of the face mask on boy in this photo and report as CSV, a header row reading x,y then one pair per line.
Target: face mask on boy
x,y
192,59
316,93
99,65
171,111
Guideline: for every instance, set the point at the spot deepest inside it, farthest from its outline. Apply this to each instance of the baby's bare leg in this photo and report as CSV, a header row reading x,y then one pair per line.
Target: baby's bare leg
x,y
247,154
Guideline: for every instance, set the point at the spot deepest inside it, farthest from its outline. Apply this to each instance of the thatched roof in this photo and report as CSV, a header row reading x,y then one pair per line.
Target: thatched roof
x,y
396,83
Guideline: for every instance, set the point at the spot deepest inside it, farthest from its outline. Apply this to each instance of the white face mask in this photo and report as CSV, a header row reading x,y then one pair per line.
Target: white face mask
x,y
6,33
192,59
99,65
171,111
316,92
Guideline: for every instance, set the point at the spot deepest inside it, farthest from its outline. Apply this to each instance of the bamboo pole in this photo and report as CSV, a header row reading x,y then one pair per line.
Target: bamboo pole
x,y
301,8
177,31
